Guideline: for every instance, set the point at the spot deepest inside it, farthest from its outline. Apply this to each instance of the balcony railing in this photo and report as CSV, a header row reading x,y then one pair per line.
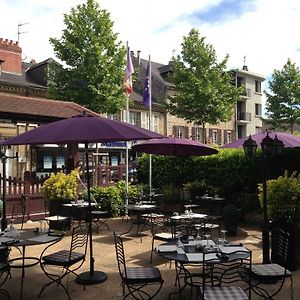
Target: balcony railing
x,y
244,116
246,92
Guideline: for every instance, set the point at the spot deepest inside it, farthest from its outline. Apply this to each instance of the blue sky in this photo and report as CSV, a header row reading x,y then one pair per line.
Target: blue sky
x,y
265,31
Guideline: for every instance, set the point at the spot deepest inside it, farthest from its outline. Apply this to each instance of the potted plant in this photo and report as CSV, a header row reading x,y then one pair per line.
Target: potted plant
x,y
283,201
59,188
231,217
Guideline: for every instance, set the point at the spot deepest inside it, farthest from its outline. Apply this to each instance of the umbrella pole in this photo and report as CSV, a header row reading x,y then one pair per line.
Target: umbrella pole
x,y
4,219
92,276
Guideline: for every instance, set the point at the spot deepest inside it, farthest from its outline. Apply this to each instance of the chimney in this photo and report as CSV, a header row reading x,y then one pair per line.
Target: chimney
x,y
139,57
1,62
10,54
245,68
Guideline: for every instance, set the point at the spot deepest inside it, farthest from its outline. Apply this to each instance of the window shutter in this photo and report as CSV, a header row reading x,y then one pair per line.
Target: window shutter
x,y
175,131
193,133
219,137
186,132
225,136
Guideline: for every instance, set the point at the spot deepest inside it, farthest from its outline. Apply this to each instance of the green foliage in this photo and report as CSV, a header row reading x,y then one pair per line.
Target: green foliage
x,y
112,198
61,187
204,91
93,70
109,198
134,191
84,195
283,198
283,101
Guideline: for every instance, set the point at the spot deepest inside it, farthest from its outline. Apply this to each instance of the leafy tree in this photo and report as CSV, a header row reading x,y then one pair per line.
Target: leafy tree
x,y
283,101
93,61
203,91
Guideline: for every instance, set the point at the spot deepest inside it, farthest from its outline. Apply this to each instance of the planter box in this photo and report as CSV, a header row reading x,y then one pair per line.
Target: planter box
x,y
293,259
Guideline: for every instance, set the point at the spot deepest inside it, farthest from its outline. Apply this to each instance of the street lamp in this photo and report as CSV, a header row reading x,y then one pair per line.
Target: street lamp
x,y
3,158
270,147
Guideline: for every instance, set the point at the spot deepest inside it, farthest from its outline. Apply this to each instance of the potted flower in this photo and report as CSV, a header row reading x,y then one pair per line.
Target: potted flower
x,y
231,217
283,202
60,188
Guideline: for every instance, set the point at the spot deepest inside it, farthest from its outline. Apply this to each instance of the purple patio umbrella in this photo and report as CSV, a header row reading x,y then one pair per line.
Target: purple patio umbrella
x,y
83,129
172,146
289,141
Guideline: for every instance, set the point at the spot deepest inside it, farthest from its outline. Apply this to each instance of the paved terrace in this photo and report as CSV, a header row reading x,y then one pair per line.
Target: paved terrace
x,y
137,254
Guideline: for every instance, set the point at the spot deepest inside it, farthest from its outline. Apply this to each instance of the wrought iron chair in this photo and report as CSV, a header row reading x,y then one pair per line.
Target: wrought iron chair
x,y
217,277
4,269
100,217
136,279
264,276
19,211
67,261
162,230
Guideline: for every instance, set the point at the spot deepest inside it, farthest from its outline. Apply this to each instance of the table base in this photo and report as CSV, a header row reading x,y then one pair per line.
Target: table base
x,y
91,278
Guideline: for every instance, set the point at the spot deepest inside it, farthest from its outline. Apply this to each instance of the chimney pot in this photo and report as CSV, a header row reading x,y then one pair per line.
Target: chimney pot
x,y
139,57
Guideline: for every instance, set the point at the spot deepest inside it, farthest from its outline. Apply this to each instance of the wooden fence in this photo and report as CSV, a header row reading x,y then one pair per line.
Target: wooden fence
x,y
30,188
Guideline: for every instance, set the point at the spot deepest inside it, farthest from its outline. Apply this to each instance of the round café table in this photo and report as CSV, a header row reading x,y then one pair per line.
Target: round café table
x,y
23,239
190,253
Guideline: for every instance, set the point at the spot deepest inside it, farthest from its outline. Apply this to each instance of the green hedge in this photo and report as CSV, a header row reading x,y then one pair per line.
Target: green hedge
x,y
229,173
112,198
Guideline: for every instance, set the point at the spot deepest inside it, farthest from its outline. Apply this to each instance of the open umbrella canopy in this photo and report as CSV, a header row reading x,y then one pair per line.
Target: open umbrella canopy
x,y
172,146
289,141
82,129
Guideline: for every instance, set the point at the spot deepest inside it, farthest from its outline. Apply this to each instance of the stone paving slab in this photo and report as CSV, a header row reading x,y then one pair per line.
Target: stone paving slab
x,y
137,254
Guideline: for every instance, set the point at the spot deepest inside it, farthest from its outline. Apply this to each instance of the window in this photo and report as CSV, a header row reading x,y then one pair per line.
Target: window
x,y
135,118
227,136
258,129
60,162
257,109
180,131
240,130
47,162
115,117
257,86
214,137
197,133
145,120
155,123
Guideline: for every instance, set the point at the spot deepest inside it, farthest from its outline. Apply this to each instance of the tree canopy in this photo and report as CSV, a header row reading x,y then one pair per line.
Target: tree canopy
x,y
93,61
283,100
204,91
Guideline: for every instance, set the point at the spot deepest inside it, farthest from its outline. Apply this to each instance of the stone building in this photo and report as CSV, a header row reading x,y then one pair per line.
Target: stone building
x,y
23,105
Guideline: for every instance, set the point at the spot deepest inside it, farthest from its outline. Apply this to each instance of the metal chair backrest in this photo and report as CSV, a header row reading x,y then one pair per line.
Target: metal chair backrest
x,y
19,210
79,240
280,246
4,252
120,255
227,270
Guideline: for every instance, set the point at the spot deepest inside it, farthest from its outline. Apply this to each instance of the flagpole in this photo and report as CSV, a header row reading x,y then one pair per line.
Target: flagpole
x,y
128,85
150,126
127,152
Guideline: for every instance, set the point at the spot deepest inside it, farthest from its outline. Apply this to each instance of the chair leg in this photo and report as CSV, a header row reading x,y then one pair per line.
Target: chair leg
x,y
134,290
5,293
56,279
152,249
